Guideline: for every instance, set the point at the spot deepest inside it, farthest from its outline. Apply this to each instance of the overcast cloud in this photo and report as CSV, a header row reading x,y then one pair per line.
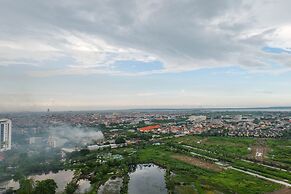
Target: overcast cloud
x,y
183,35
70,37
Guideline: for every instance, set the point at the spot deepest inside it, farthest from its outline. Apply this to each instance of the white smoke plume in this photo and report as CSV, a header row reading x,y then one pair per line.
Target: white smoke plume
x,y
66,134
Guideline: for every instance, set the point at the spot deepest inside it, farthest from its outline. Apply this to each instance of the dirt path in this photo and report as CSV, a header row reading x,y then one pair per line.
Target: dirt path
x,y
198,162
282,191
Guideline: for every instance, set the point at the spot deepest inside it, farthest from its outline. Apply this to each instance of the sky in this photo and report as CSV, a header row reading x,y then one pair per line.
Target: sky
x,y
111,54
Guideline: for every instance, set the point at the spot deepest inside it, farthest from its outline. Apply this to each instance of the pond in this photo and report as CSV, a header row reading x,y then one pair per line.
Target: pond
x,y
84,186
112,186
144,179
147,178
61,178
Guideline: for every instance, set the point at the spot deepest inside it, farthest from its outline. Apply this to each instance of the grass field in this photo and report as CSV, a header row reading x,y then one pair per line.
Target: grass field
x,y
263,170
276,151
186,189
193,173
279,151
206,180
229,146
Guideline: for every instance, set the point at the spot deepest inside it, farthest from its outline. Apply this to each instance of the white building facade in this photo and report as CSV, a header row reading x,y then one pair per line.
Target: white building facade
x,y
5,134
197,119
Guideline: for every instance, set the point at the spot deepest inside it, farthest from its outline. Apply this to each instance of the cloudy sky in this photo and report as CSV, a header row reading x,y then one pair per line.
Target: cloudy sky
x,y
70,55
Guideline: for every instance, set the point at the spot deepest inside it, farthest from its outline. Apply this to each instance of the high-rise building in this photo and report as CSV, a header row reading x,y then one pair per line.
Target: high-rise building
x,y
5,134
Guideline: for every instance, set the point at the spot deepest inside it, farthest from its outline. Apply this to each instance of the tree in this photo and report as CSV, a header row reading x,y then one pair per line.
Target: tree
x,y
18,176
48,186
71,187
256,121
9,191
26,186
84,152
119,140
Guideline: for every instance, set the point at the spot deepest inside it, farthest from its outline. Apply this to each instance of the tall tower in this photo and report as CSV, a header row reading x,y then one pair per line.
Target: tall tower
x,y
5,134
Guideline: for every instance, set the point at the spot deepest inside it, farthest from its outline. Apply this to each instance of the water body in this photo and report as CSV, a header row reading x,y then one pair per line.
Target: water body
x,y
61,178
84,186
147,179
112,186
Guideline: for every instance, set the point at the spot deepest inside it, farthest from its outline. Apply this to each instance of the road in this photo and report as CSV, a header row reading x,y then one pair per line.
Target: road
x,y
260,176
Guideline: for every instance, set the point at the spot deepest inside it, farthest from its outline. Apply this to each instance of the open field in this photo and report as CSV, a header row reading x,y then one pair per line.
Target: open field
x,y
264,170
186,189
188,172
279,151
227,181
229,146
271,151
198,162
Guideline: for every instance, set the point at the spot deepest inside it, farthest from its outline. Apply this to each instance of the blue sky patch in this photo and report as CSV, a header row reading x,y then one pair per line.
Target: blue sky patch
x,y
275,50
137,66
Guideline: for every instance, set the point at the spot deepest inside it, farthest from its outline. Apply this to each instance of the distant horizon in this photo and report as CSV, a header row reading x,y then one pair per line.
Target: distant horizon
x,y
149,109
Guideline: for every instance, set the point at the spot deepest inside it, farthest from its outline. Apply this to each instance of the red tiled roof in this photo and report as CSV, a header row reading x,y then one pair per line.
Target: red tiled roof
x,y
149,128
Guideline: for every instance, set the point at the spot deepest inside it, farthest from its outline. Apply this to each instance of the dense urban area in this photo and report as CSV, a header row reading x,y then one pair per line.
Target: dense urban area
x,y
179,151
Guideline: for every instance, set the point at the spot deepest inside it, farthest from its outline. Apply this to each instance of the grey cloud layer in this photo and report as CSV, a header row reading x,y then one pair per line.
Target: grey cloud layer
x,y
183,34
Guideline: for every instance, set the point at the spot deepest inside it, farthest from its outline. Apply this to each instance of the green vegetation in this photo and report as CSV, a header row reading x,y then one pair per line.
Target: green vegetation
x,y
28,186
280,151
263,170
206,147
99,166
181,176
71,187
186,189
120,140
124,187
25,164
277,152
228,181
48,186
233,147
235,182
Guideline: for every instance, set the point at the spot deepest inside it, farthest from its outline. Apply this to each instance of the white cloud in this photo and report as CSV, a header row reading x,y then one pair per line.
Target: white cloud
x,y
183,35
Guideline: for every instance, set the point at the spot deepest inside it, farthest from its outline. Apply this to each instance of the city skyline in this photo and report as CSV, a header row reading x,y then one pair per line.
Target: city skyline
x,y
74,55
